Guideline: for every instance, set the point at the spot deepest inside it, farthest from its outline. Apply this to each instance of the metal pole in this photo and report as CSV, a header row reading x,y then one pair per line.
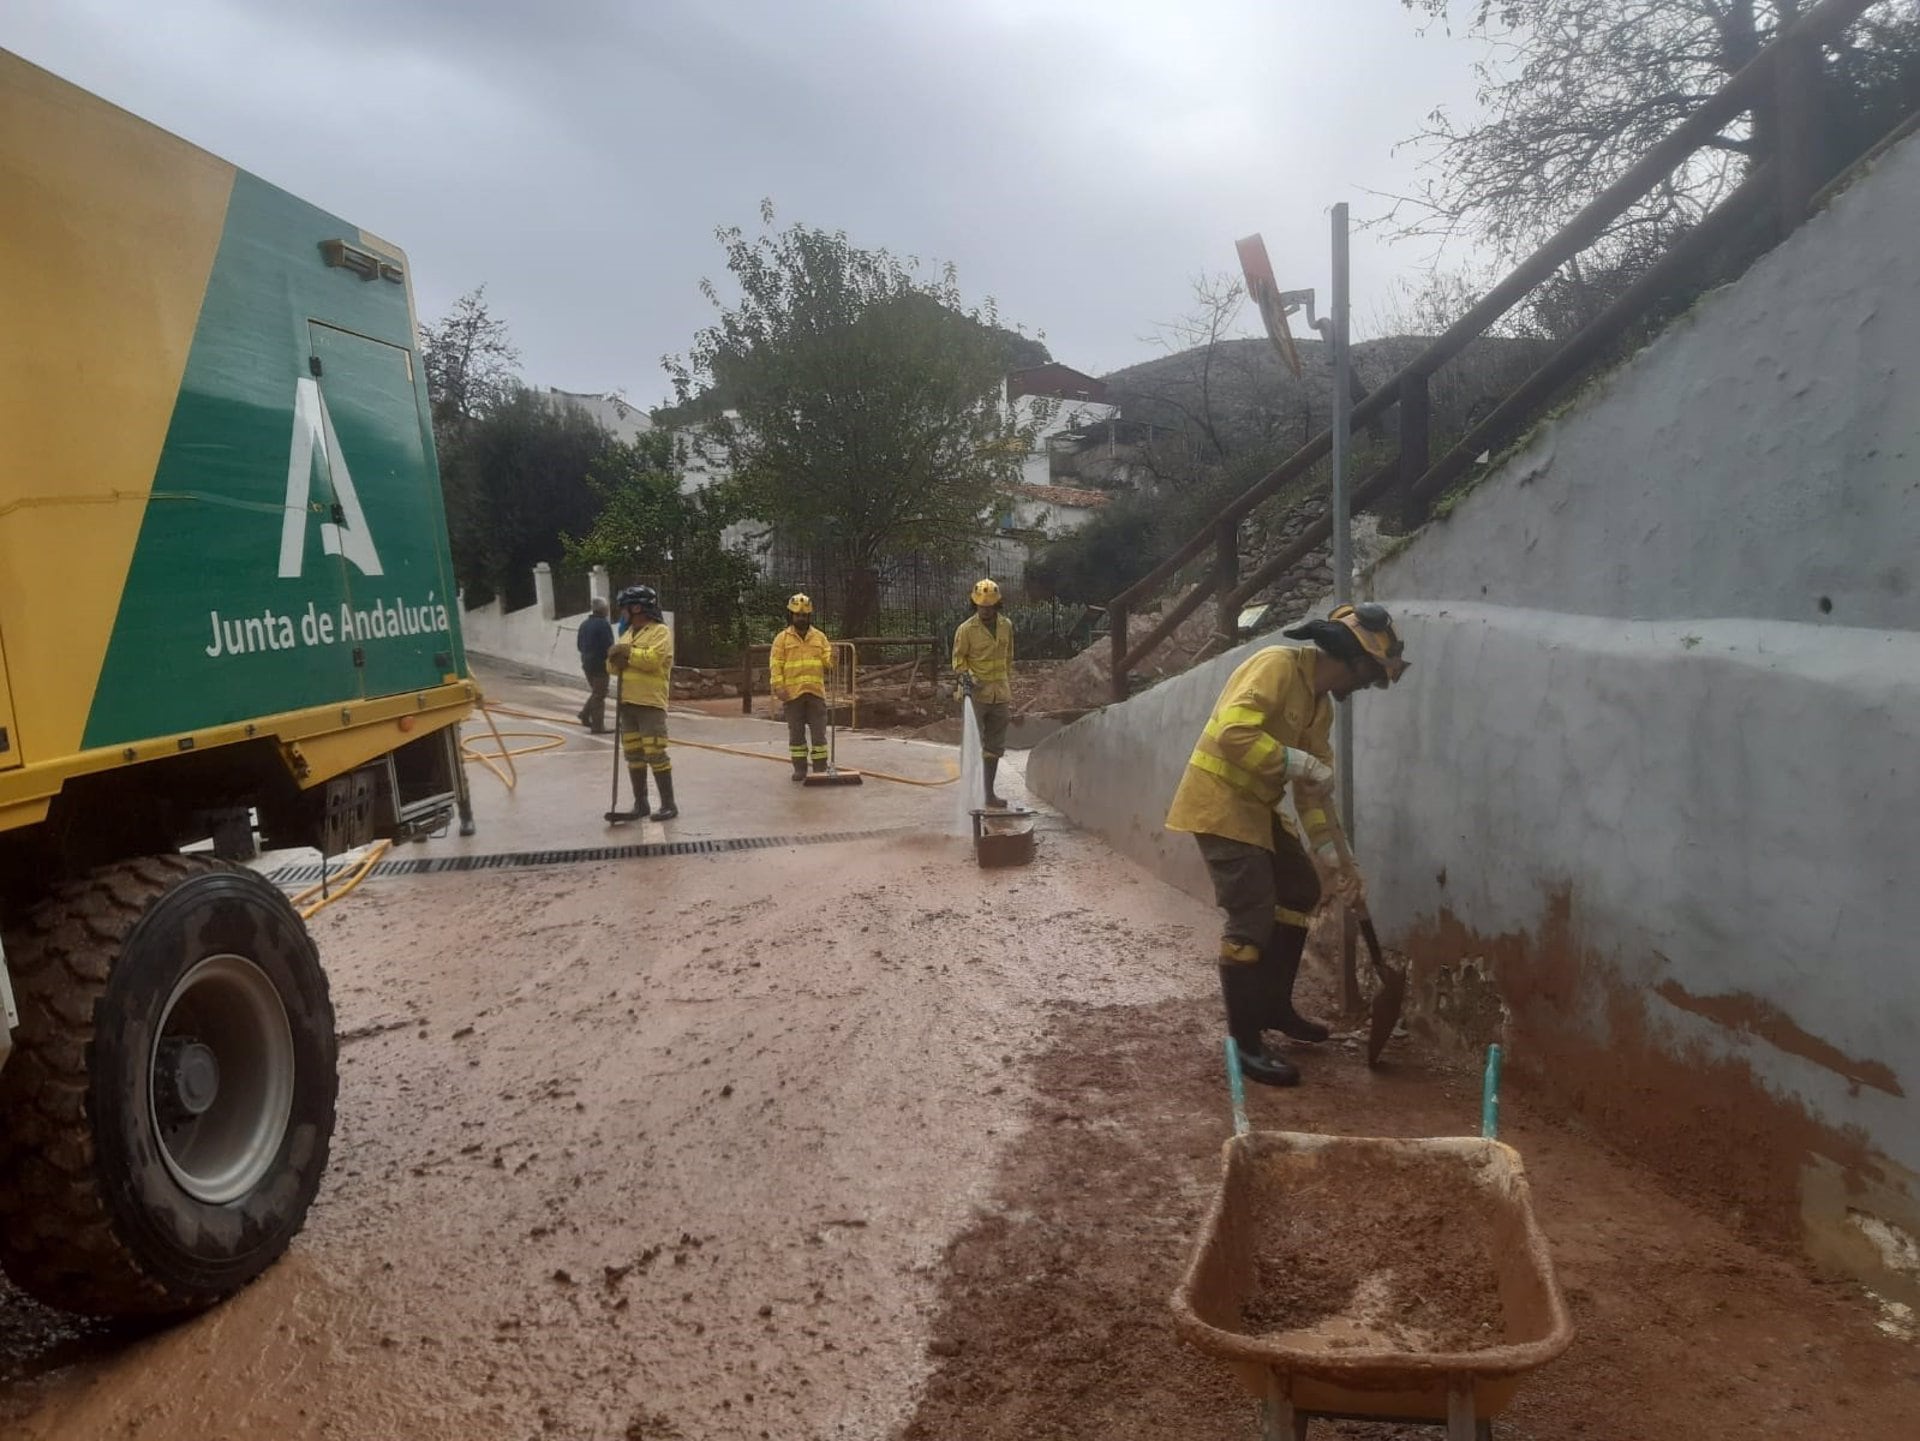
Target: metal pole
x,y
1342,447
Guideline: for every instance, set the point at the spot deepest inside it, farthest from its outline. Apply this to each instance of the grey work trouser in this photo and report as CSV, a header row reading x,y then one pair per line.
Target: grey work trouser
x,y
807,713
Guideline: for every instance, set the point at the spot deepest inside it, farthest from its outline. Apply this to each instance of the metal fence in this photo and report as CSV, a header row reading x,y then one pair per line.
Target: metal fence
x,y
572,591
917,595
1779,86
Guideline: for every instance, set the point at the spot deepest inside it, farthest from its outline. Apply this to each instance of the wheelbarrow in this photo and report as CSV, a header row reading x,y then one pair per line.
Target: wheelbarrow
x,y
1355,1365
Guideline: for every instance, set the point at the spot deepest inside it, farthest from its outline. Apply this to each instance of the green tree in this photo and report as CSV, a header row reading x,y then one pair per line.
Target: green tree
x,y
516,483
469,360
866,418
1105,556
649,528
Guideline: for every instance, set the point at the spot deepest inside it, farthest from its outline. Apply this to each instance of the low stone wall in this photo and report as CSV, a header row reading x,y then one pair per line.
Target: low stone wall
x,y
693,683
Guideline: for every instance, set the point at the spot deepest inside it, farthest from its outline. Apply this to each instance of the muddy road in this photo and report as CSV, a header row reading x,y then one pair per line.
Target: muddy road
x,y
659,1147
850,1139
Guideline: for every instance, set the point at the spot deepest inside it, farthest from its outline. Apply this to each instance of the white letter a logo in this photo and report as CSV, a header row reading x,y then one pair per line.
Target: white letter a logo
x,y
313,428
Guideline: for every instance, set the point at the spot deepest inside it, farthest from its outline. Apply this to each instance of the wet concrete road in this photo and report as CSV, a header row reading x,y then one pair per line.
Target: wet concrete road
x,y
717,1144
655,1147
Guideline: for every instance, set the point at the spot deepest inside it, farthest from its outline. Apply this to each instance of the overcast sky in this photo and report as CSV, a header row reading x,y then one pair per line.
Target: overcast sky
x,y
1078,161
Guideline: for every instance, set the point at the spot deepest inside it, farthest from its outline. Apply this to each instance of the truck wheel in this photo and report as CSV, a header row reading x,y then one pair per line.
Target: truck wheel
x,y
165,1115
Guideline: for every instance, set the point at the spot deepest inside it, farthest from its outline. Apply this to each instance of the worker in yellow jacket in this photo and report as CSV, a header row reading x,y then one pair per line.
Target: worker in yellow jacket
x,y
642,661
983,669
1269,729
797,670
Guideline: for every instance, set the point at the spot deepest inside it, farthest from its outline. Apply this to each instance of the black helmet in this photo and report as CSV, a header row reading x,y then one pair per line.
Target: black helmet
x,y
640,595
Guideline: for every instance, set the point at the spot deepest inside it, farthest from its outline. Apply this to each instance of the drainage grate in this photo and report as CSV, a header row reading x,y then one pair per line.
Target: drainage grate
x,y
522,860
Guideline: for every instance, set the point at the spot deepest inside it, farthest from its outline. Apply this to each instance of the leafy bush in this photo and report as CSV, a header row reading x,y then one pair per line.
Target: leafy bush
x,y
648,529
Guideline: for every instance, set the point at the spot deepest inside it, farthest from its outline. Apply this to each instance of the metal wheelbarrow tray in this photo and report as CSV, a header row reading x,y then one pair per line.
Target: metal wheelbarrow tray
x,y
1350,1366
1003,837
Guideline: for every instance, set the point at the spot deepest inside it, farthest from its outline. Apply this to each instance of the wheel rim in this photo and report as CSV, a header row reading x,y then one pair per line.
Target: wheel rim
x,y
221,1078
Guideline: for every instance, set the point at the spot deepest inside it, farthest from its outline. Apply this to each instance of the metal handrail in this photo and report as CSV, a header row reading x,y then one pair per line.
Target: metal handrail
x,y
1790,179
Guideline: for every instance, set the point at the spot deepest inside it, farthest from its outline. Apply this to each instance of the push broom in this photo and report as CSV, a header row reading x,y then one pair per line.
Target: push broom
x,y
833,775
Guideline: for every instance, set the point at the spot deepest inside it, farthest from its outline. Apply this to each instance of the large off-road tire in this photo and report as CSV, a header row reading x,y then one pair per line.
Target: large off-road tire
x,y
166,1113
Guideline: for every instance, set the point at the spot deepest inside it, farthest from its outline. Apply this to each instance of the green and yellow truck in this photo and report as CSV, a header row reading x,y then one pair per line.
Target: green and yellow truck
x,y
226,612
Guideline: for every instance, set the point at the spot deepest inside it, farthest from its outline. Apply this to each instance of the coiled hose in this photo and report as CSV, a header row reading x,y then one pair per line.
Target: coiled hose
x,y
507,710
500,761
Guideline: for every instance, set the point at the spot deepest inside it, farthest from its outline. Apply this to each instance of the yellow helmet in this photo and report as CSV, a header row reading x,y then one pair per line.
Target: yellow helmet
x,y
799,604
986,592
1373,628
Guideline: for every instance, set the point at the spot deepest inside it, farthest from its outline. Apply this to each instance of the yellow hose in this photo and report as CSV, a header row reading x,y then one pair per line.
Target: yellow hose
x,y
778,760
510,777
354,873
542,741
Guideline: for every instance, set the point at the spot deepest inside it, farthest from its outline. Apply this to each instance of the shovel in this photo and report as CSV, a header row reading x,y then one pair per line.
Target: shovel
x,y
615,816
1391,997
1389,1000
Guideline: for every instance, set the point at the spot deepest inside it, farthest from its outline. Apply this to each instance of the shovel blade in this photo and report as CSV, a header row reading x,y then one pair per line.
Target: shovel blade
x,y
1388,1002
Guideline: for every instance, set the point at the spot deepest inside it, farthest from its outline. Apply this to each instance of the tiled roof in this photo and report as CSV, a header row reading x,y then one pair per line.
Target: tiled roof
x,y
1064,495
1062,382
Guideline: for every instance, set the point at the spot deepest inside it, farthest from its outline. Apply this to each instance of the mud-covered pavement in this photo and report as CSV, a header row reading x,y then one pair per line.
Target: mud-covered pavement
x,y
842,1139
665,1146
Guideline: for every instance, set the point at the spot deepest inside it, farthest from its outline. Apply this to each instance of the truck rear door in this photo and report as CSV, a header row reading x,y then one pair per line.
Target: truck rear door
x,y
387,517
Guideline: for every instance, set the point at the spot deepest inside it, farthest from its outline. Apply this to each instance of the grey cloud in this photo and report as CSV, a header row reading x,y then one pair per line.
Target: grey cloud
x,y
1079,161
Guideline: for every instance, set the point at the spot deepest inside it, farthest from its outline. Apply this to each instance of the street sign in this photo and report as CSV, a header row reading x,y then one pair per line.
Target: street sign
x,y
1266,294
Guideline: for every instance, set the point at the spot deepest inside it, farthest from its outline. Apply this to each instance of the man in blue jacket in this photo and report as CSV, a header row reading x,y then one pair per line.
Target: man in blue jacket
x,y
596,639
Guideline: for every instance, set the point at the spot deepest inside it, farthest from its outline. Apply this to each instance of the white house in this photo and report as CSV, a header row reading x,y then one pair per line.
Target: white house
x,y
700,464
624,420
1063,401
1050,509
704,465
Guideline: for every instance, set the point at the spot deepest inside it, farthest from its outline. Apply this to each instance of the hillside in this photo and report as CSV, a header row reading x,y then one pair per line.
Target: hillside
x,y
1249,398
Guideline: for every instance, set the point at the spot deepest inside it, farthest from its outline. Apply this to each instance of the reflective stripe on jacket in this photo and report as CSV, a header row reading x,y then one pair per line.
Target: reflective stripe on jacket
x,y
986,655
1238,770
649,665
799,663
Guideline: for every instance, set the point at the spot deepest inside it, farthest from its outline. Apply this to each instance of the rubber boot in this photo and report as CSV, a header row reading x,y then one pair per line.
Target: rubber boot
x,y
1279,968
638,774
668,810
993,801
799,770
1241,988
